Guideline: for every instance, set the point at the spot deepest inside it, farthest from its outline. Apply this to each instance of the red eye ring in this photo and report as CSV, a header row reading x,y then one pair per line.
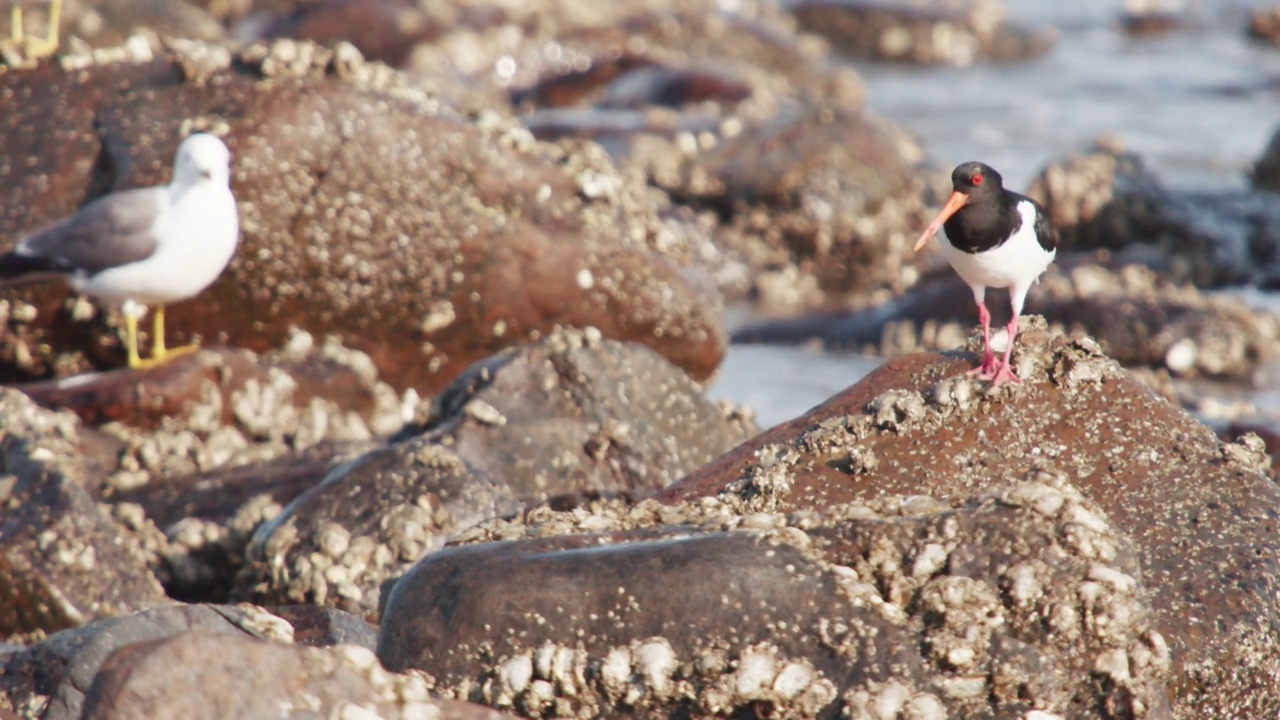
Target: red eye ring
x,y
977,179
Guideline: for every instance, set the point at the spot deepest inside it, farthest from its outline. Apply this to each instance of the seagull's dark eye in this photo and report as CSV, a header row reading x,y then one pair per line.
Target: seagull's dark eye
x,y
977,179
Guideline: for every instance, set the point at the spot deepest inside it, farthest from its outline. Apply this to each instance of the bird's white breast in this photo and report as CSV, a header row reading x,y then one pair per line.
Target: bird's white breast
x,y
1015,263
198,236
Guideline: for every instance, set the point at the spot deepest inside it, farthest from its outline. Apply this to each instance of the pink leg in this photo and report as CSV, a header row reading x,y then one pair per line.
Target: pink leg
x,y
1003,373
988,367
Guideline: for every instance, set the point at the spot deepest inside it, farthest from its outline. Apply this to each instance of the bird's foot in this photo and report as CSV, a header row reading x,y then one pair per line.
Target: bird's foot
x,y
161,356
987,369
998,374
40,48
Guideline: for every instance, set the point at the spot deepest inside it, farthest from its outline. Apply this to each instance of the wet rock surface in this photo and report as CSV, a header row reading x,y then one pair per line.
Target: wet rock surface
x,y
573,414
1109,200
1200,512
951,33
341,214
729,605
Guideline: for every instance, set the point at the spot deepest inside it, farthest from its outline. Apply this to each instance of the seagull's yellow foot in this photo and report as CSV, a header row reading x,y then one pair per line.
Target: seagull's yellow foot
x,y
35,48
160,354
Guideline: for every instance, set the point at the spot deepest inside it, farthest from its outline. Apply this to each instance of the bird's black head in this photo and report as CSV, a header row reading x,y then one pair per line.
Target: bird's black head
x,y
975,176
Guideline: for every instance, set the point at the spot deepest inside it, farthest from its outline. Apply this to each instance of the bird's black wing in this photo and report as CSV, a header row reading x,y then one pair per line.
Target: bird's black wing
x,y
1045,234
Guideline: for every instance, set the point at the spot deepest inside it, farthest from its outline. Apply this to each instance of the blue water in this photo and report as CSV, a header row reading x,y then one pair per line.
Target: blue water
x,y
1199,105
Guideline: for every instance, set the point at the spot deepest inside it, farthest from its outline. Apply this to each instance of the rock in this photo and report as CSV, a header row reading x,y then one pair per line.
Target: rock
x,y
719,106
574,413
828,196
338,542
1264,26
323,626
623,44
49,679
244,677
1200,516
1139,318
227,383
1109,200
427,255
1148,20
1246,434
218,494
107,23
1266,171
220,441
930,33
63,560
723,606
383,30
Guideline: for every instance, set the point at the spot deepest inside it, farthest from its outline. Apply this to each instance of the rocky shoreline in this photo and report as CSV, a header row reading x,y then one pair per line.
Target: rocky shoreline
x,y
446,452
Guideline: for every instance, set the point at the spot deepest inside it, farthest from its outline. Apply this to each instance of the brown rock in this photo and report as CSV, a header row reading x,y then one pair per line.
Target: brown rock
x,y
367,519
571,414
663,86
186,385
426,255
383,30
1264,25
828,195
323,626
208,518
1200,513
229,438
63,561
242,677
995,606
579,413
106,23
925,33
49,679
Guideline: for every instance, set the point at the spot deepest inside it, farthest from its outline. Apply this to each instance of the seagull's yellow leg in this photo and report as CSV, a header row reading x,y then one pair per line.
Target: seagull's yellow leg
x,y
15,25
35,48
159,352
131,340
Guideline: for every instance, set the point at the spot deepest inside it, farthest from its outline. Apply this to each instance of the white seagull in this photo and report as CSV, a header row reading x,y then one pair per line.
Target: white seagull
x,y
141,247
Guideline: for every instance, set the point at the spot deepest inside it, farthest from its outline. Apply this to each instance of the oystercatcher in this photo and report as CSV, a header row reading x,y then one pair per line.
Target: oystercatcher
x,y
994,238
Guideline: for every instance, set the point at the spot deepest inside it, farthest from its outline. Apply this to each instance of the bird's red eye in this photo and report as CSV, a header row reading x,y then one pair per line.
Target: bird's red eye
x,y
977,179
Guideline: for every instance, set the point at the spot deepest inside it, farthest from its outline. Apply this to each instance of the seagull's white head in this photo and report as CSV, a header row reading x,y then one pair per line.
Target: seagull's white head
x,y
202,158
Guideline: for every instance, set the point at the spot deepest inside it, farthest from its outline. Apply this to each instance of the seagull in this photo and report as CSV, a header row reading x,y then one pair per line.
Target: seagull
x,y
141,247
994,238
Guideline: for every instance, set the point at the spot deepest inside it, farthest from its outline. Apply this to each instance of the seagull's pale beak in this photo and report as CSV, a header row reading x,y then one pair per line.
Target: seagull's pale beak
x,y
954,203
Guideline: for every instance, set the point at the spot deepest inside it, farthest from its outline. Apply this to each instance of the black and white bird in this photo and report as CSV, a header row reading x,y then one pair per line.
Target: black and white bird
x,y
994,238
143,247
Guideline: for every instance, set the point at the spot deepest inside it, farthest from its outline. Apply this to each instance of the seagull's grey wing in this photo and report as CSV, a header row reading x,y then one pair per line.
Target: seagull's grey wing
x,y
111,231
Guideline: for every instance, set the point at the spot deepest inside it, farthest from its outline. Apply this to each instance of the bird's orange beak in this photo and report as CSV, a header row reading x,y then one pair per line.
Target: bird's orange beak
x,y
954,203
